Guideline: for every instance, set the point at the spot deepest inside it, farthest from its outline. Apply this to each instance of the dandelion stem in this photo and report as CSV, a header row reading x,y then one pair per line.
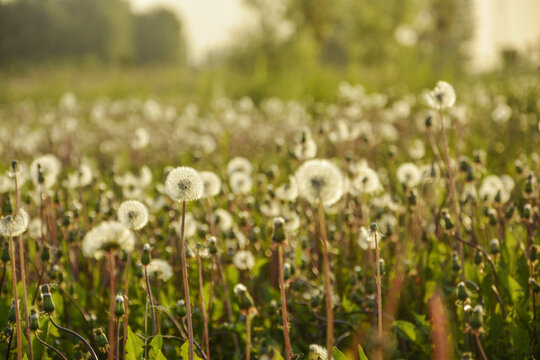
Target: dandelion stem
x,y
327,284
24,296
16,298
185,281
50,347
117,339
479,346
126,304
203,308
287,340
8,350
149,292
92,352
248,336
379,298
112,295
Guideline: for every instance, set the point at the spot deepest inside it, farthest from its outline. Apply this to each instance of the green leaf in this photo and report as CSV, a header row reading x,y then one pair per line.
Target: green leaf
x,y
406,329
361,353
338,355
134,346
155,349
25,357
184,352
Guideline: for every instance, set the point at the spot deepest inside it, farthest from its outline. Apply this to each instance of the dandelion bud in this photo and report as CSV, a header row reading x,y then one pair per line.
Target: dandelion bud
x,y
429,121
92,320
374,227
477,317
456,266
518,165
382,266
279,230
316,300
101,340
11,314
534,285
48,304
412,198
139,270
34,320
245,302
535,250
494,247
510,211
529,185
461,291
527,211
119,306
5,252
448,224
492,215
145,258
212,245
181,310
41,177
469,176
287,271
478,258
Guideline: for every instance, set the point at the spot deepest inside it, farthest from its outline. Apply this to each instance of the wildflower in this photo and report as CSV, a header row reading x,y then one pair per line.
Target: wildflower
x,y
317,352
408,174
14,225
119,306
211,182
160,268
443,96
133,214
477,317
288,191
245,301
501,114
106,236
141,139
184,184
240,183
239,164
494,188
244,260
80,178
44,170
223,219
365,240
305,147
36,229
366,182
320,180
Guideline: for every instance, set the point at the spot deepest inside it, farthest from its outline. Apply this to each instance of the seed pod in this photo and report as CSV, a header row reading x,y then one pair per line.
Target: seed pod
x,y
6,334
245,301
101,340
477,317
510,211
529,185
527,211
212,245
494,247
181,310
478,258
279,230
119,306
461,292
492,215
34,320
145,258
48,304
456,266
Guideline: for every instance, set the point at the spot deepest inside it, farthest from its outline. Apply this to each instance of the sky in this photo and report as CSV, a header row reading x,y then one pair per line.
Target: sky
x,y
499,23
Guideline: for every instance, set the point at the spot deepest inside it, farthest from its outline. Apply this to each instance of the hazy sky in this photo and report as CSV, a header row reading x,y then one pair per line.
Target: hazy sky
x,y
209,23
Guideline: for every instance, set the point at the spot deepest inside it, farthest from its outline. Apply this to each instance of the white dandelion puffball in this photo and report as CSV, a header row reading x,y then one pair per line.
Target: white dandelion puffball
x,y
239,288
133,214
244,260
239,164
80,178
240,183
443,96
288,191
161,269
319,180
14,225
365,240
184,184
50,168
366,182
108,235
408,174
493,185
317,352
211,182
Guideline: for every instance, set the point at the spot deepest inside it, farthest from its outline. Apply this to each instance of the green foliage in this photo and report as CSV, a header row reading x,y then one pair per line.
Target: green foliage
x,y
134,346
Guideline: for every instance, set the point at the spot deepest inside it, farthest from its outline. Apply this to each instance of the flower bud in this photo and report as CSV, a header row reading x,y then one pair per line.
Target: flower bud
x,y
6,334
212,245
34,320
287,271
429,121
461,292
477,317
478,259
119,306
456,266
279,230
510,211
145,258
181,310
412,198
45,254
527,211
101,340
529,185
12,317
494,247
245,302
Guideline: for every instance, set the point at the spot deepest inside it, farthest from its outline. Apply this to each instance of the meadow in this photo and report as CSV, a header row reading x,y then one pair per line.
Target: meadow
x,y
382,225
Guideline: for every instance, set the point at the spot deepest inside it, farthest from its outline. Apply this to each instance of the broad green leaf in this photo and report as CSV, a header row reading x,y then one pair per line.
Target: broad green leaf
x,y
184,352
361,353
338,355
155,349
406,329
134,346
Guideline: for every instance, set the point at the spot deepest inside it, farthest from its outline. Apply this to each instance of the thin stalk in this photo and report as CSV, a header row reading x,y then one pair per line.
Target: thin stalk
x,y
379,352
24,296
185,282
112,295
149,292
248,337
9,346
16,298
203,307
126,303
479,346
50,347
285,314
327,284
118,339
71,332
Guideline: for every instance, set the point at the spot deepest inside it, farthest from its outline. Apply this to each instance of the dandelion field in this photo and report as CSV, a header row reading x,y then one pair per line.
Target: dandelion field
x,y
394,225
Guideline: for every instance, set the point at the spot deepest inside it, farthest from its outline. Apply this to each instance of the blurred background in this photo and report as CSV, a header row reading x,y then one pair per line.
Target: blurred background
x,y
197,50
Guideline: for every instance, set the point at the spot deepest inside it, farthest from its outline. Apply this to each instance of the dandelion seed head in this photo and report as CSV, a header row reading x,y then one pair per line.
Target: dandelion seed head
x,y
317,352
408,174
239,289
443,96
161,269
184,184
49,166
14,225
106,236
133,214
319,180
241,183
244,260
211,182
239,164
